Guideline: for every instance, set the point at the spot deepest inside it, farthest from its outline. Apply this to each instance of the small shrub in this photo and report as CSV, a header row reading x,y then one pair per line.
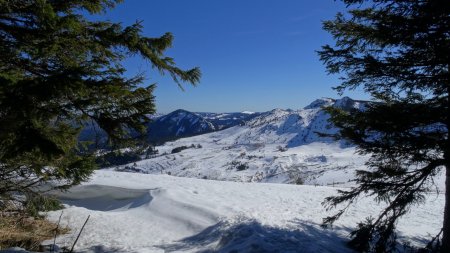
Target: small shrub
x,y
41,203
150,152
237,165
281,149
295,174
179,149
130,169
241,166
26,232
299,181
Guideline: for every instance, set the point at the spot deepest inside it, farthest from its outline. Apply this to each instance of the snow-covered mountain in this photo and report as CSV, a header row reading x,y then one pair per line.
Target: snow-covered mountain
x,y
276,146
182,123
179,123
226,120
172,126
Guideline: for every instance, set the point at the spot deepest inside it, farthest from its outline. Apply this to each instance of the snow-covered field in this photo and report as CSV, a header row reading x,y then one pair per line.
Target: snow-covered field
x,y
133,212
317,163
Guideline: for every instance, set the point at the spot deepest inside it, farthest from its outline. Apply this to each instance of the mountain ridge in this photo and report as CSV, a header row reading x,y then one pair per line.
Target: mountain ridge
x,y
278,146
182,123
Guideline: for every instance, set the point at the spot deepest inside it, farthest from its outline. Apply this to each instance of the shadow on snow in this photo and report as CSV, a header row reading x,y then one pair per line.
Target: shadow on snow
x,y
252,236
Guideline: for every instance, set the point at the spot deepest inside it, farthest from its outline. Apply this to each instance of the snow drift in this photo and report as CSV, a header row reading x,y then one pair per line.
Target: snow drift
x,y
159,213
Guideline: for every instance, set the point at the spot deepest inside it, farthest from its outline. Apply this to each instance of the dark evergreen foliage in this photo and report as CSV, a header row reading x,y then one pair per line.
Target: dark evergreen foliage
x,y
178,149
399,52
58,70
115,158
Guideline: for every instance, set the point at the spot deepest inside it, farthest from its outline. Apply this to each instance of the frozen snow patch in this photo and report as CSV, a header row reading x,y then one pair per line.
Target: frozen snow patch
x,y
105,198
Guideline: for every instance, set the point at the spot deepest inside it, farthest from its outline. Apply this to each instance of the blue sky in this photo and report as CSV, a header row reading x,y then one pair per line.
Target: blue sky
x,y
254,55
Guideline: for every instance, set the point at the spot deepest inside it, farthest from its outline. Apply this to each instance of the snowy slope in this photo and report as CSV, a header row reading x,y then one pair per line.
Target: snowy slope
x,y
158,213
182,123
279,146
226,120
179,123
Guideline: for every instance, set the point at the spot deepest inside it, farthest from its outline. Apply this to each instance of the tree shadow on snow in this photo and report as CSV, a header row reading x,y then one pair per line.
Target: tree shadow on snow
x,y
104,249
251,236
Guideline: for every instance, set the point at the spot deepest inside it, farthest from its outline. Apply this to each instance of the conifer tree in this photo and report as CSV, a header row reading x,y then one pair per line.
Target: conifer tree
x,y
58,70
399,52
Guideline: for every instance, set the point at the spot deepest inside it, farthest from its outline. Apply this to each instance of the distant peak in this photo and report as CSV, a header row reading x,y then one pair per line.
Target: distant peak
x,y
179,111
177,115
319,103
345,103
277,110
248,112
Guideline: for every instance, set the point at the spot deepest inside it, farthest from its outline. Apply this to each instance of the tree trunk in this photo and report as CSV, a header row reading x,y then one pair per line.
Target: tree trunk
x,y
446,228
